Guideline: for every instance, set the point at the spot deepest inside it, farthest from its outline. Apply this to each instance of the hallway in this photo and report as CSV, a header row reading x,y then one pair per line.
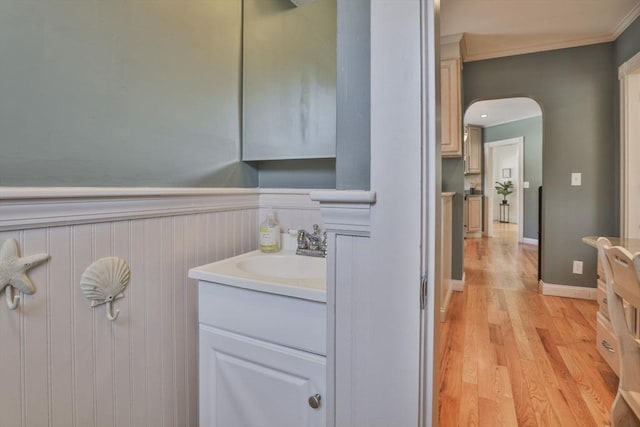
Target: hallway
x,y
513,357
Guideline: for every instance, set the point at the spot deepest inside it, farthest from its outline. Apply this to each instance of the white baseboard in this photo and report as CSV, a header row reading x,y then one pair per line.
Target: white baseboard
x,y
445,304
568,291
530,241
458,285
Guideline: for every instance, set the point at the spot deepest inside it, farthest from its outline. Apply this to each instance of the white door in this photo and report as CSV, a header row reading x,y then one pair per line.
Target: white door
x,y
246,382
431,201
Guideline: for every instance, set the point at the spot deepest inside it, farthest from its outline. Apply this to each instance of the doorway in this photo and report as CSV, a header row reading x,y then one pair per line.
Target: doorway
x,y
504,163
512,153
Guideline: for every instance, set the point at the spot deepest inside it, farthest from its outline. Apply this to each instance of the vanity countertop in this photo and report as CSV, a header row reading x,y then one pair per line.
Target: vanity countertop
x,y
632,245
283,273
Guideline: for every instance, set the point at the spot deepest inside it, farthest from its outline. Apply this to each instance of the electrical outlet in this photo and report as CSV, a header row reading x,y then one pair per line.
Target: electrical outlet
x,y
525,184
576,179
577,267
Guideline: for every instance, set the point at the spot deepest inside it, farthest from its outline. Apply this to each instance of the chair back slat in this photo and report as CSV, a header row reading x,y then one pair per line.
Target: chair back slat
x,y
625,277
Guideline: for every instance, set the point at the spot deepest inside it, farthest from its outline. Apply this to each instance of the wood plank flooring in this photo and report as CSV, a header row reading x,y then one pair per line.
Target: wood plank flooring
x,y
513,357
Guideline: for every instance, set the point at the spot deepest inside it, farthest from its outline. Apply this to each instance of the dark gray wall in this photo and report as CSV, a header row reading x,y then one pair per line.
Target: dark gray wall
x,y
575,89
531,130
98,94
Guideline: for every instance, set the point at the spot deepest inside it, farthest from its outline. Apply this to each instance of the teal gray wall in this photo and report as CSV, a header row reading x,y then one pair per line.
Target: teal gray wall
x,y
351,168
627,44
531,130
453,180
136,93
353,160
312,173
575,89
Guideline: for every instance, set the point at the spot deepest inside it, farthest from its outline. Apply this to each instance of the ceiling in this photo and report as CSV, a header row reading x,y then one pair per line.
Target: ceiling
x,y
499,111
495,28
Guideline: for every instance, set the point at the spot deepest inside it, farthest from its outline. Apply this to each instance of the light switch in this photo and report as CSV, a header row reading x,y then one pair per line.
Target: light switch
x,y
576,179
525,184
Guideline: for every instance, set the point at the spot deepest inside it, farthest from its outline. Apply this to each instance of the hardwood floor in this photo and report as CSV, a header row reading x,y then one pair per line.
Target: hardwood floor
x,y
513,357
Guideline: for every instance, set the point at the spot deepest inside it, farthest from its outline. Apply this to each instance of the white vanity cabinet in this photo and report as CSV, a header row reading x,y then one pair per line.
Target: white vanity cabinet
x,y
250,382
262,358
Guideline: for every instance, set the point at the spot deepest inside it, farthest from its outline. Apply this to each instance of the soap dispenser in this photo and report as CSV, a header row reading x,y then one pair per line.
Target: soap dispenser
x,y
269,234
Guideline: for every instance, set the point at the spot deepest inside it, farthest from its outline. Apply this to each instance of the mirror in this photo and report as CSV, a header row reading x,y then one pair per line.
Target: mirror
x,y
289,80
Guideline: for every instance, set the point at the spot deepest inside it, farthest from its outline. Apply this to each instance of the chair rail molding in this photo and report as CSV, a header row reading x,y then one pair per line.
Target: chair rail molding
x,y
346,215
35,207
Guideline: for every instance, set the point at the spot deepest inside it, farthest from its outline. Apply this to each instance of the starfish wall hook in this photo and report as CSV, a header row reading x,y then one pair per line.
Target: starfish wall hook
x,y
13,270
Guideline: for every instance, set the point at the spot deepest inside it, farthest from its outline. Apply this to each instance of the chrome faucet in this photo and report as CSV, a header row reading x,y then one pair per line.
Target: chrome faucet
x,y
312,244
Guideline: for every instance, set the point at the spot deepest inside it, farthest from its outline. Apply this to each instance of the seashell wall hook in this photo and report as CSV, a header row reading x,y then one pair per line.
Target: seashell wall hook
x,y
104,281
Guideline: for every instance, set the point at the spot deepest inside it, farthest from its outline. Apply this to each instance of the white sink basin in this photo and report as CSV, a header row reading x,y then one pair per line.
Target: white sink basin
x,y
284,266
283,273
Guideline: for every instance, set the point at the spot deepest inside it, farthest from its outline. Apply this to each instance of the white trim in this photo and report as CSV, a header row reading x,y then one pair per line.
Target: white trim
x,y
28,193
626,21
26,213
36,207
530,241
521,50
453,38
445,304
298,200
349,196
629,205
488,184
350,220
568,291
458,285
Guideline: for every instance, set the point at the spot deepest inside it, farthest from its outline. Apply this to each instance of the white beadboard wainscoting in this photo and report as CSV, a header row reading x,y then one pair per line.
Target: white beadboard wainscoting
x,y
63,363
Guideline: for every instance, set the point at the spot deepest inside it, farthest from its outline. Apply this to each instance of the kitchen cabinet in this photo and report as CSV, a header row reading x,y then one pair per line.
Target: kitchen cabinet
x,y
473,221
473,150
450,113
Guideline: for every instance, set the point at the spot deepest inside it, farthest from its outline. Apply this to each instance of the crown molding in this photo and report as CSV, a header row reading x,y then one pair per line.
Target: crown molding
x,y
534,48
626,21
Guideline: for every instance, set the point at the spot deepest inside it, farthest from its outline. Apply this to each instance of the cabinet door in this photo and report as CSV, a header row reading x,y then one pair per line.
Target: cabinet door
x,y
473,148
474,214
450,116
246,382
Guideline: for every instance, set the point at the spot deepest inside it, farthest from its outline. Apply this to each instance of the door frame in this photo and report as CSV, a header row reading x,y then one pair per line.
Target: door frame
x,y
629,76
431,185
488,183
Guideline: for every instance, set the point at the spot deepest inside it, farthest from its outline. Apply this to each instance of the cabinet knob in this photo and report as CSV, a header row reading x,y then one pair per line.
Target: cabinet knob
x,y
314,401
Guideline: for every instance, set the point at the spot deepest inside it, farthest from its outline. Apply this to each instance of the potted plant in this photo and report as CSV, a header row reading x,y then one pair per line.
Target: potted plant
x,y
504,189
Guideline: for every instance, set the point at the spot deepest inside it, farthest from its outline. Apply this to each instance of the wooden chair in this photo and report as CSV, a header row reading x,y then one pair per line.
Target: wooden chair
x,y
622,275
